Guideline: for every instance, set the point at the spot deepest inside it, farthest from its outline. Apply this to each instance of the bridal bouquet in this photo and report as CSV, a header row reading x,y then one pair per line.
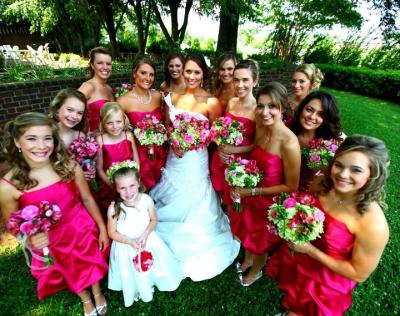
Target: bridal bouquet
x,y
124,88
225,130
295,217
320,152
34,219
150,132
242,173
85,151
189,132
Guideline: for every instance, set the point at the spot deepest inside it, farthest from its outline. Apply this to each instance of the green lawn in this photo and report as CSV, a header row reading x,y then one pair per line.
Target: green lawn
x,y
223,295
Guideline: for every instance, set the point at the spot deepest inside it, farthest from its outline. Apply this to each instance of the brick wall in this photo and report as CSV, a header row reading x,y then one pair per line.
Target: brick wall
x,y
16,98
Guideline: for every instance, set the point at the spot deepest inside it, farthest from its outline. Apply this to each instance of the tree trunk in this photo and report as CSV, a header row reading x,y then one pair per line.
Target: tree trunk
x,y
228,31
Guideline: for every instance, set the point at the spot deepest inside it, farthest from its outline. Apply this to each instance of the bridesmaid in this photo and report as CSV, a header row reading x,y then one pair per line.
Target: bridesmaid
x,y
240,108
277,152
96,89
224,88
320,278
306,78
40,170
316,117
138,103
173,69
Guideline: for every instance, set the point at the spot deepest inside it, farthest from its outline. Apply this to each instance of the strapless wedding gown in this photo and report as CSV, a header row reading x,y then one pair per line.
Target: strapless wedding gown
x,y
190,217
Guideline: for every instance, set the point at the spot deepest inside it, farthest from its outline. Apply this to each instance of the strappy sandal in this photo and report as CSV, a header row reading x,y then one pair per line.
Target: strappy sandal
x,y
93,312
101,309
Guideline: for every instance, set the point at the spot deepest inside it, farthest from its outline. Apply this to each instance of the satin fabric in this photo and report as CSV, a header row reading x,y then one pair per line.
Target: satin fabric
x,y
165,273
73,242
310,287
250,224
191,221
112,153
94,113
150,169
217,167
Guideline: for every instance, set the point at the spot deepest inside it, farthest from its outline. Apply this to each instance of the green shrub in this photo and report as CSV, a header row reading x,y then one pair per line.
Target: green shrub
x,y
383,84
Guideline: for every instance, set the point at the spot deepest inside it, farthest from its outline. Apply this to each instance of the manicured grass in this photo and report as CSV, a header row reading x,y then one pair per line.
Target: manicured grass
x,y
379,295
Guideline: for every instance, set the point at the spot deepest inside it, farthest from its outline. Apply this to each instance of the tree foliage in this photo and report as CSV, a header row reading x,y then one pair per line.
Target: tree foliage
x,y
294,20
389,21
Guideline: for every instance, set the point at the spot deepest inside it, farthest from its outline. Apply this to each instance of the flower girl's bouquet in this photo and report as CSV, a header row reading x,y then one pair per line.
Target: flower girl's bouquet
x,y
189,132
124,88
295,217
320,152
85,151
242,173
225,130
149,132
34,219
143,261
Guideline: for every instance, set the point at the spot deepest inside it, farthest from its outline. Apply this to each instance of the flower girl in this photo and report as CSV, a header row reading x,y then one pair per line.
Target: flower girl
x,y
139,258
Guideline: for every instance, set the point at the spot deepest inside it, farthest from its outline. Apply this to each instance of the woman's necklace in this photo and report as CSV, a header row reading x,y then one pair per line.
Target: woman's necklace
x,y
141,99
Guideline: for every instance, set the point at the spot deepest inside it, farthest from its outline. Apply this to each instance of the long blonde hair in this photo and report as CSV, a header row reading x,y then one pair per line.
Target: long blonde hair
x,y
59,158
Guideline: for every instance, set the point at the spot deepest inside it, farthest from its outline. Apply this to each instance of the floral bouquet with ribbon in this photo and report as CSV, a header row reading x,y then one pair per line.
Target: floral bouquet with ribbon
x,y
121,90
295,217
143,261
149,132
34,219
189,132
85,150
225,130
242,173
129,164
320,152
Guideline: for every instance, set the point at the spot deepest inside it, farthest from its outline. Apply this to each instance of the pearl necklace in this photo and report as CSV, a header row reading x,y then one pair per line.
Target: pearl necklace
x,y
141,99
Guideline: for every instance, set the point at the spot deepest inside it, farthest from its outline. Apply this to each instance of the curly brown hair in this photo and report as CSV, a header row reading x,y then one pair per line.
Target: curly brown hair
x,y
378,155
59,158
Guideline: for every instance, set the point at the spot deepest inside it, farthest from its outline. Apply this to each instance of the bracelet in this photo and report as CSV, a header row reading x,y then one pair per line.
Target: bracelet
x,y
253,191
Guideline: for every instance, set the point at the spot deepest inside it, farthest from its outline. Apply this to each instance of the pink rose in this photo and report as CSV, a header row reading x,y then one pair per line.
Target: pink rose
x,y
289,202
244,161
28,228
176,123
45,225
333,148
238,140
188,139
154,120
293,223
175,143
315,158
14,222
319,216
29,212
91,149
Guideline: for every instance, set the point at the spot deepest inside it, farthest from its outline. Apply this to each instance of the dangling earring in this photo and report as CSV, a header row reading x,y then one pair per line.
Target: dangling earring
x,y
19,149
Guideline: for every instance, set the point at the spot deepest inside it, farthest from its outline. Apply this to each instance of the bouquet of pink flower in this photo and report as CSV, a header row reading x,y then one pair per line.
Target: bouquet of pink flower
x,y
149,132
34,219
189,132
242,173
225,130
124,88
143,261
295,217
85,151
320,152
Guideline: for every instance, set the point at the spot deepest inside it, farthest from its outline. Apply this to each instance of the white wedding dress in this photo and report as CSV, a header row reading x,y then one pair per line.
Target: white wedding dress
x,y
190,218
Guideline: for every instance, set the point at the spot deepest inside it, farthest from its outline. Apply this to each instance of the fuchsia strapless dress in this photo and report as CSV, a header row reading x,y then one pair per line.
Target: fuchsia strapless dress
x,y
312,289
94,113
150,169
112,153
78,262
250,224
217,167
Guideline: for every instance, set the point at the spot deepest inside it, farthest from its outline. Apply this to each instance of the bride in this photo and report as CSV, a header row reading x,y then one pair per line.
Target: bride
x,y
190,217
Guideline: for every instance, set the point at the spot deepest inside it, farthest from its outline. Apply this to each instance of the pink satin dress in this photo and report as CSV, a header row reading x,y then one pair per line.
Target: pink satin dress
x,y
150,169
217,167
312,289
73,242
250,224
112,153
94,113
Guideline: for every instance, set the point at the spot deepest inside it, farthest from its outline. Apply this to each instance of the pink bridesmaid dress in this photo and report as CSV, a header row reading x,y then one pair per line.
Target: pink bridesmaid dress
x,y
73,242
311,288
112,153
250,224
217,167
150,169
94,113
